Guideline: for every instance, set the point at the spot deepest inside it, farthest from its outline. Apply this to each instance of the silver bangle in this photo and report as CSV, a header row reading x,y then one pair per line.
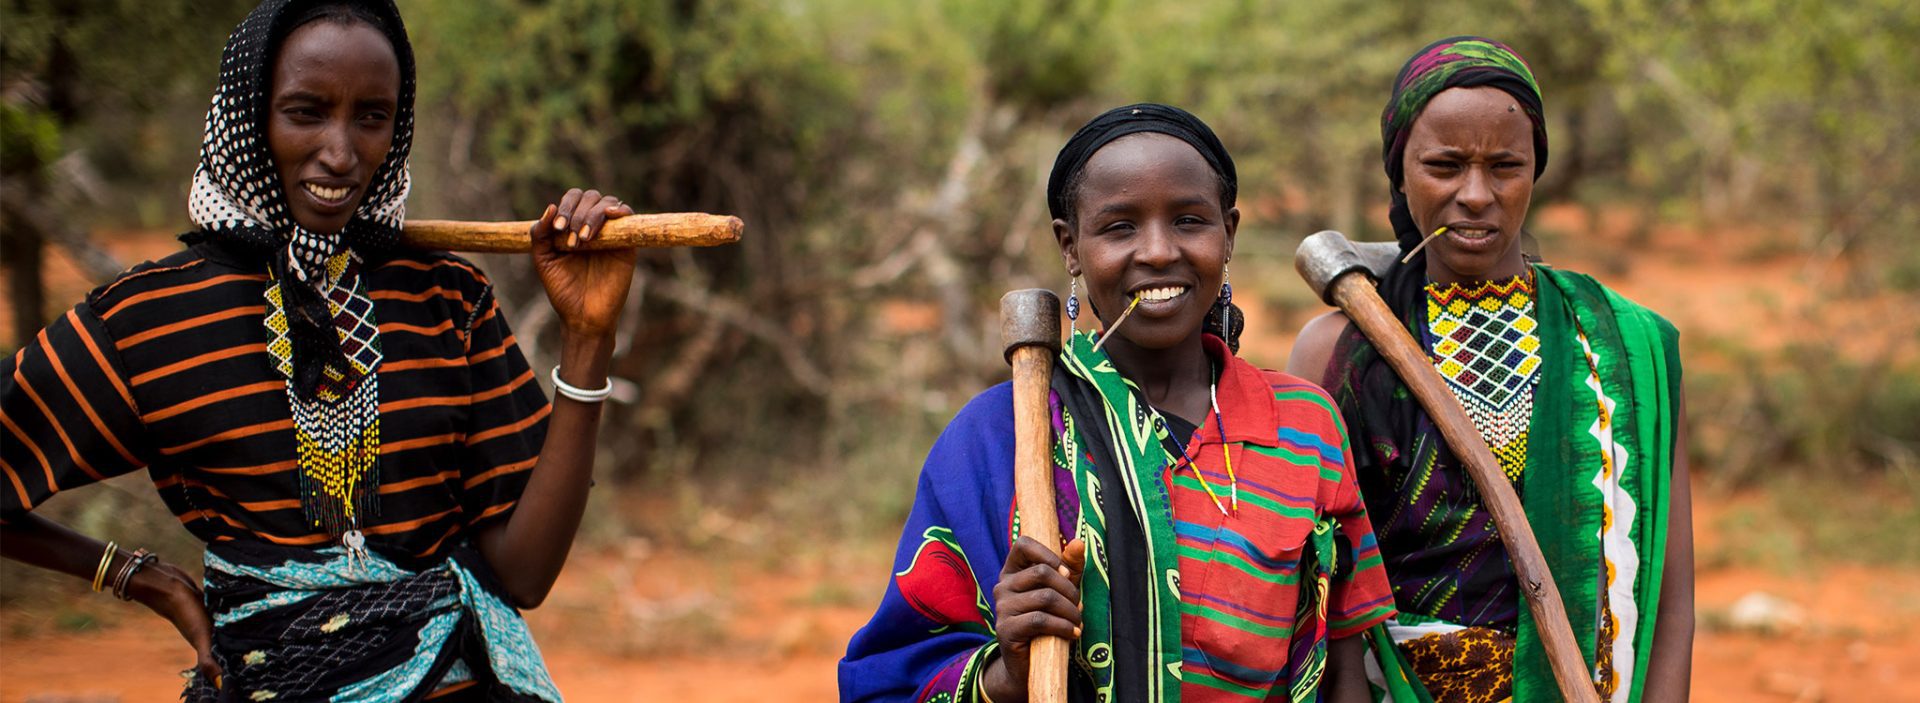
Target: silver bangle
x,y
581,394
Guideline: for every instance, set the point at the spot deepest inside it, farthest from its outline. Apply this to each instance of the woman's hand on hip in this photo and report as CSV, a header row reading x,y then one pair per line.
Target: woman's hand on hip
x,y
168,591
587,288
1038,595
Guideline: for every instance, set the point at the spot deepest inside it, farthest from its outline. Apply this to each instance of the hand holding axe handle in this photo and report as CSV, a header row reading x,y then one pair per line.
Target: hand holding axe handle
x,y
668,229
1030,329
1328,262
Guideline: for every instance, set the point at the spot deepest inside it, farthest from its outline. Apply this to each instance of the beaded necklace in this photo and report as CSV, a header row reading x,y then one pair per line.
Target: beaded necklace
x,y
337,429
1187,459
1484,341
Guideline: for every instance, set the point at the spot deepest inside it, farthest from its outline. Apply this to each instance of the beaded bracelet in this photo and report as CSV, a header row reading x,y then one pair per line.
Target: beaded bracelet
x,y
581,394
100,572
134,564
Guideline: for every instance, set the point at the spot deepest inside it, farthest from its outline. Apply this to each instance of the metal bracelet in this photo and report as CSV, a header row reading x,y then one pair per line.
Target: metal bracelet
x,y
134,564
106,559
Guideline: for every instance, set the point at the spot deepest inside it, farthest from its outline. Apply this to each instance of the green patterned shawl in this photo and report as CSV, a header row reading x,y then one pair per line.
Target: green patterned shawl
x,y
1602,353
1133,444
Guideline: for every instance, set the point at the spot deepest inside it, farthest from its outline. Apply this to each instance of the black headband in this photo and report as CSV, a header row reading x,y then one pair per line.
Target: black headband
x,y
1133,119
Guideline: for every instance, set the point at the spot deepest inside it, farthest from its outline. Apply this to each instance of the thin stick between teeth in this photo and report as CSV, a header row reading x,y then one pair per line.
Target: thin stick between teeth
x,y
1104,336
1422,244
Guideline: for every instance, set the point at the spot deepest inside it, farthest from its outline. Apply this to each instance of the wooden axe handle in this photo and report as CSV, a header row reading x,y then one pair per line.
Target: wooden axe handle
x,y
1356,295
1033,487
666,229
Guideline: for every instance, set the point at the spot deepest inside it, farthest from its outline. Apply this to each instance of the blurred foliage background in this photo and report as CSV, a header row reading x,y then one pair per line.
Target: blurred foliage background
x,y
890,160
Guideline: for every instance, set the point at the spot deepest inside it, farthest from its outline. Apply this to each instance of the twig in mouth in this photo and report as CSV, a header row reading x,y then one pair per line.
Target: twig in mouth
x,y
1116,323
1422,244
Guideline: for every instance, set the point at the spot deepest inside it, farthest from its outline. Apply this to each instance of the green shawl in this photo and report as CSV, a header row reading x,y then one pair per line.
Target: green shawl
x,y
1602,352
1126,438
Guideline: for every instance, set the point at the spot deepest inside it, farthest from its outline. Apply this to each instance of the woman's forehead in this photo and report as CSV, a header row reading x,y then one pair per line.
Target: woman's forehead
x,y
1472,117
1137,159
345,49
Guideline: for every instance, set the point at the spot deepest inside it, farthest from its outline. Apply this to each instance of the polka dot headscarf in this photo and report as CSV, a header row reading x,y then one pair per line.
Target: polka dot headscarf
x,y
237,196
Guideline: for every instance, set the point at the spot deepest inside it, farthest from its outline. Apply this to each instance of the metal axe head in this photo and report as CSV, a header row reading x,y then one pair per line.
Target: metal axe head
x,y
1030,317
1327,255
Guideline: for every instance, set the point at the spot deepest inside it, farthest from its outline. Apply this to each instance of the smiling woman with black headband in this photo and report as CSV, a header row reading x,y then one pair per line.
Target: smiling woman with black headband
x,y
1575,389
349,425
1228,553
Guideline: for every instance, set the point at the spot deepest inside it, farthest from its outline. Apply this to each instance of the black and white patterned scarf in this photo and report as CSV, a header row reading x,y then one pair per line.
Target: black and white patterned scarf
x,y
238,198
320,323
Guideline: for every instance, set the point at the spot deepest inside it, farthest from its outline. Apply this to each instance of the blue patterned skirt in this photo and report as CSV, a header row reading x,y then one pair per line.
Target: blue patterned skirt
x,y
294,624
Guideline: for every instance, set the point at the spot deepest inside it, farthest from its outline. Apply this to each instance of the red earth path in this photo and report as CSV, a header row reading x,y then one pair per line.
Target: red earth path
x,y
637,624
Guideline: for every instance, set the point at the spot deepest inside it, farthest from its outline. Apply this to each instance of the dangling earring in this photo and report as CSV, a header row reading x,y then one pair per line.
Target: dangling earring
x,y
1226,299
1073,306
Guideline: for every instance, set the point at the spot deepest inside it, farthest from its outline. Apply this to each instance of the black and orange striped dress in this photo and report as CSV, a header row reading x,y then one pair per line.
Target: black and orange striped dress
x,y
167,369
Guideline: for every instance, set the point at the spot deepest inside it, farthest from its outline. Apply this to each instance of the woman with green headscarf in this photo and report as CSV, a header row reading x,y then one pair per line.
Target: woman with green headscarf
x,y
1575,389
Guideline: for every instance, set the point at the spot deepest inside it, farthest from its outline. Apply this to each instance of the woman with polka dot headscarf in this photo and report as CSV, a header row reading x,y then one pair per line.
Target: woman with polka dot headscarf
x,y
349,425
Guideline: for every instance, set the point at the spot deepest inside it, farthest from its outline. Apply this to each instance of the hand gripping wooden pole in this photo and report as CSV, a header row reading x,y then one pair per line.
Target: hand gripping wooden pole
x,y
1343,276
657,230
1030,329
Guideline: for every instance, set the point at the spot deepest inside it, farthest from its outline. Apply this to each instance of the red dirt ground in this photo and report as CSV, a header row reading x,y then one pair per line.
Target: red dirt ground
x,y
682,629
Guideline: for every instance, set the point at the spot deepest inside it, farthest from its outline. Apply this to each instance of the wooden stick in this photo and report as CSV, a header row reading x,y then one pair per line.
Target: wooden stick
x,y
667,229
1030,328
1330,267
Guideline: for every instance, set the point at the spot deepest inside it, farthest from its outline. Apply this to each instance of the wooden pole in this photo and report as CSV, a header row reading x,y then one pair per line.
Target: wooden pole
x,y
1346,283
667,229
1030,328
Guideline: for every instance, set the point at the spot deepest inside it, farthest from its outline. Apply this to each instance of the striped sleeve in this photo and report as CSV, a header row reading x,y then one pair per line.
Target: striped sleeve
x,y
1361,596
66,413
508,416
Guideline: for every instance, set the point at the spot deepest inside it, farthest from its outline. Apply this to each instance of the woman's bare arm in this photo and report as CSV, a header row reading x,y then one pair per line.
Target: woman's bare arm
x,y
161,587
1313,351
1346,680
588,290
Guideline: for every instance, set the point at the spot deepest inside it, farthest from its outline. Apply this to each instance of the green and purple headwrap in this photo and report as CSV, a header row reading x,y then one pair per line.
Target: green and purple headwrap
x,y
1454,62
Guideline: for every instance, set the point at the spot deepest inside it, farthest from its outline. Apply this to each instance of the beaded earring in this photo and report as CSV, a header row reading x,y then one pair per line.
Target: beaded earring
x,y
1073,305
1226,299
